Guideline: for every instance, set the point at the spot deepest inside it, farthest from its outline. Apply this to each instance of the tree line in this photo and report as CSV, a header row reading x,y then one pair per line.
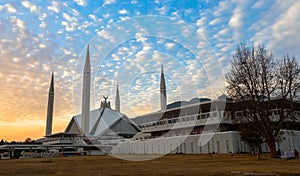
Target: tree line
x,y
26,141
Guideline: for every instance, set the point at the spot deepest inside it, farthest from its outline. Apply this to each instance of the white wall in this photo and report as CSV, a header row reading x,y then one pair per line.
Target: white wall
x,y
290,141
220,142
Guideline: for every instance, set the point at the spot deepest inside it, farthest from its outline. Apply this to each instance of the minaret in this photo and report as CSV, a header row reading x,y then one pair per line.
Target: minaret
x,y
117,100
163,91
50,107
85,118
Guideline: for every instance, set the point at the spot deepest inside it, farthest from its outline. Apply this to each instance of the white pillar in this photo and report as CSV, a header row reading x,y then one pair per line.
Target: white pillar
x,y
85,118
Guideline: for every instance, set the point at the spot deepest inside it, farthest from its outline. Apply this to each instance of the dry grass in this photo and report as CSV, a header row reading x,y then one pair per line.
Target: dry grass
x,y
167,165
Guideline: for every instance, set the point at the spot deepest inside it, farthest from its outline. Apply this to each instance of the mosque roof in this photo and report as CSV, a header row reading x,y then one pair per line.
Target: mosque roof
x,y
103,120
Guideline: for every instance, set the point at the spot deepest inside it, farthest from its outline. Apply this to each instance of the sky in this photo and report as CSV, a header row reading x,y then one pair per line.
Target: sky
x,y
129,42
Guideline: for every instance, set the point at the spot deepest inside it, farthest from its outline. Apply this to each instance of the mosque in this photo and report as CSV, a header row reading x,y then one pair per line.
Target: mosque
x,y
199,127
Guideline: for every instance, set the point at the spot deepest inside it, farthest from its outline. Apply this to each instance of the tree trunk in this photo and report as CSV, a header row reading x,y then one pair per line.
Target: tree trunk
x,y
272,147
259,149
259,152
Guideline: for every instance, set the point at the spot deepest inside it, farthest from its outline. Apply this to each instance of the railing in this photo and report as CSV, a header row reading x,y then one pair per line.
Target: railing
x,y
58,141
188,121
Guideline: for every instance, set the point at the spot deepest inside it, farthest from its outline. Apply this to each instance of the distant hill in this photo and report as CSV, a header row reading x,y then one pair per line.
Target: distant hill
x,y
184,103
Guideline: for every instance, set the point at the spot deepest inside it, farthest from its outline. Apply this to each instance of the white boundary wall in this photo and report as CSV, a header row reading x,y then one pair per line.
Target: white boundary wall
x,y
219,142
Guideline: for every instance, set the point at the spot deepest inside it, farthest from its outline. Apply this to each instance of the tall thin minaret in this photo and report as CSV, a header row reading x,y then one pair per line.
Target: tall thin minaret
x,y
85,118
50,107
163,91
117,100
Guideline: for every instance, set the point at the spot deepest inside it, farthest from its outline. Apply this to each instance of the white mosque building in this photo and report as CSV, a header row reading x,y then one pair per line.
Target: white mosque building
x,y
195,128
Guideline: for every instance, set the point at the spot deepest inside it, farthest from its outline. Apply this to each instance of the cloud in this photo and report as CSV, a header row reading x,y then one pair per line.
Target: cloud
x,y
286,31
236,18
106,35
54,7
81,2
169,45
10,8
223,8
107,2
215,21
280,35
28,5
42,45
259,4
123,11
71,22
92,16
69,18
43,24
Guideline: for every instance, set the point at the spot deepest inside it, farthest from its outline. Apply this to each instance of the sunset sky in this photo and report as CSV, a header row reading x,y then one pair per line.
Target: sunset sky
x,y
129,41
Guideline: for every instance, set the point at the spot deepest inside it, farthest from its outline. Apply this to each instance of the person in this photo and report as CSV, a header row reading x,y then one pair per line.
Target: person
x,y
278,153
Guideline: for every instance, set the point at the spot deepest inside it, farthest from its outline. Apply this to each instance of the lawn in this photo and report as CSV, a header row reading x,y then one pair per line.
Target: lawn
x,y
166,165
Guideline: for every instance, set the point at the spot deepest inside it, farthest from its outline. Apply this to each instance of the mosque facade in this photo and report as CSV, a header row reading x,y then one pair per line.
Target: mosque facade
x,y
196,128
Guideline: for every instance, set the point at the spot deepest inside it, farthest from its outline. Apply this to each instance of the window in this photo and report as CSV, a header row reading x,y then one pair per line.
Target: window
x,y
208,148
227,146
181,148
200,147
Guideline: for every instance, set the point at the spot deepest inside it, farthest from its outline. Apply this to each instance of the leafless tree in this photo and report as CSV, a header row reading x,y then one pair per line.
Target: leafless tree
x,y
262,84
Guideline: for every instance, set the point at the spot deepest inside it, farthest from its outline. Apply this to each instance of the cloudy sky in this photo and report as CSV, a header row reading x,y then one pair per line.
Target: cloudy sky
x,y
129,42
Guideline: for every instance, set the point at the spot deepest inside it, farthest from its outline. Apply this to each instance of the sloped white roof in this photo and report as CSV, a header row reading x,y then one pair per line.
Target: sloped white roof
x,y
101,119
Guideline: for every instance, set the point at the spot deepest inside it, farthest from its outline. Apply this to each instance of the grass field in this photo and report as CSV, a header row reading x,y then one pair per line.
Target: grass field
x,y
167,165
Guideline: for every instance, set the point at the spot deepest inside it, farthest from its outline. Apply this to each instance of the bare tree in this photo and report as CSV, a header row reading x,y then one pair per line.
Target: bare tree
x,y
262,84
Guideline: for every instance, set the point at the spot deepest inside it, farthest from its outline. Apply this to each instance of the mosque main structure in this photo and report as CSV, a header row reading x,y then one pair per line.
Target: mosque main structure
x,y
198,127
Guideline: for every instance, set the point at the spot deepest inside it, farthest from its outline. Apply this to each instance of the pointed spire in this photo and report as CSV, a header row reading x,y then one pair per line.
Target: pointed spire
x,y
85,118
52,83
163,91
50,107
117,101
87,66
